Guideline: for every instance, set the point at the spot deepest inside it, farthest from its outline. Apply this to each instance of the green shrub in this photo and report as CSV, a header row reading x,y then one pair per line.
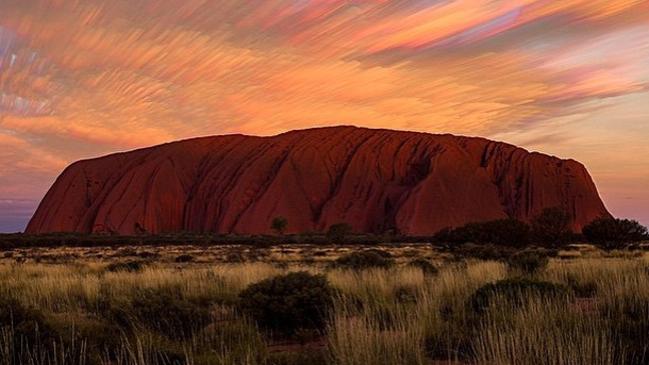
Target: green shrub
x,y
528,262
286,303
128,266
611,233
514,291
364,260
425,266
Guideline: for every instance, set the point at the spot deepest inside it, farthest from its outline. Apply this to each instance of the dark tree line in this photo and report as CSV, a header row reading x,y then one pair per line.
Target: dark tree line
x,y
551,228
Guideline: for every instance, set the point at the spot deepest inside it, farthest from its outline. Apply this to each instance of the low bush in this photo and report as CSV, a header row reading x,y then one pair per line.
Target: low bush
x,y
528,262
426,267
236,257
514,291
612,233
286,303
364,260
483,252
503,232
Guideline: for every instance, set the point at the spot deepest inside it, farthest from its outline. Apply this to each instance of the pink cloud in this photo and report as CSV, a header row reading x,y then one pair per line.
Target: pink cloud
x,y
92,77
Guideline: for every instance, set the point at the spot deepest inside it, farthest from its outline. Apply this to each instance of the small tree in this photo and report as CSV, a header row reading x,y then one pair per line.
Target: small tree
x,y
552,227
279,225
338,232
614,233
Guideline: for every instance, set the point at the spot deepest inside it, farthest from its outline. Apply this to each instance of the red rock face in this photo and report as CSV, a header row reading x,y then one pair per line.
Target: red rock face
x,y
374,180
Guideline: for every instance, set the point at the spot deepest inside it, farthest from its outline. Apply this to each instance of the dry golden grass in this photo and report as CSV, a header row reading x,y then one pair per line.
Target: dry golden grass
x,y
382,316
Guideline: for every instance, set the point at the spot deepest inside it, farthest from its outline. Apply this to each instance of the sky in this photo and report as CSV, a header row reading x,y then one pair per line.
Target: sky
x,y
83,78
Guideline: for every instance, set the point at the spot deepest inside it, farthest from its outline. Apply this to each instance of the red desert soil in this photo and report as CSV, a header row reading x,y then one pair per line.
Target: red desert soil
x,y
375,180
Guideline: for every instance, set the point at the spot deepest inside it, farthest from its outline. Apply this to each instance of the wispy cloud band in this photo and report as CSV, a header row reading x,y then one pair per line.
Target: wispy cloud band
x,y
80,78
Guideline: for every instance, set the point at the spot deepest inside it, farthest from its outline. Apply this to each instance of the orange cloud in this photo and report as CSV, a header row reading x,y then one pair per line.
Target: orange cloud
x,y
82,78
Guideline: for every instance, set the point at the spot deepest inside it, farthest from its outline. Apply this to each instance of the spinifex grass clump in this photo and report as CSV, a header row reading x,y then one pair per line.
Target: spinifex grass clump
x,y
516,291
581,287
27,337
283,304
628,318
166,311
543,330
28,324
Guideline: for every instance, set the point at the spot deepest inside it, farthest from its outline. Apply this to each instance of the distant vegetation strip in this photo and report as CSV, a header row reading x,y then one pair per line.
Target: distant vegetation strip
x,y
21,240
508,233
551,229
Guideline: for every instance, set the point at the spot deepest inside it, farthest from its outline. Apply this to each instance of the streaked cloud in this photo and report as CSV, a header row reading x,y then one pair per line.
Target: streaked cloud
x,y
82,78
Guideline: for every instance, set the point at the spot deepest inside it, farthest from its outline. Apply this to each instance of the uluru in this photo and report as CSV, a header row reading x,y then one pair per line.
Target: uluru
x,y
372,179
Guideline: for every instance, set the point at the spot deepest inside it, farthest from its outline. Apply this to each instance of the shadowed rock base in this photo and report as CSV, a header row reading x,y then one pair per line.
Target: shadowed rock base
x,y
374,180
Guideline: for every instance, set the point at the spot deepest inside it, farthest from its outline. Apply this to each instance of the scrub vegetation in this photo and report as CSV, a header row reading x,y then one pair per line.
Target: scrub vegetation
x,y
328,304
